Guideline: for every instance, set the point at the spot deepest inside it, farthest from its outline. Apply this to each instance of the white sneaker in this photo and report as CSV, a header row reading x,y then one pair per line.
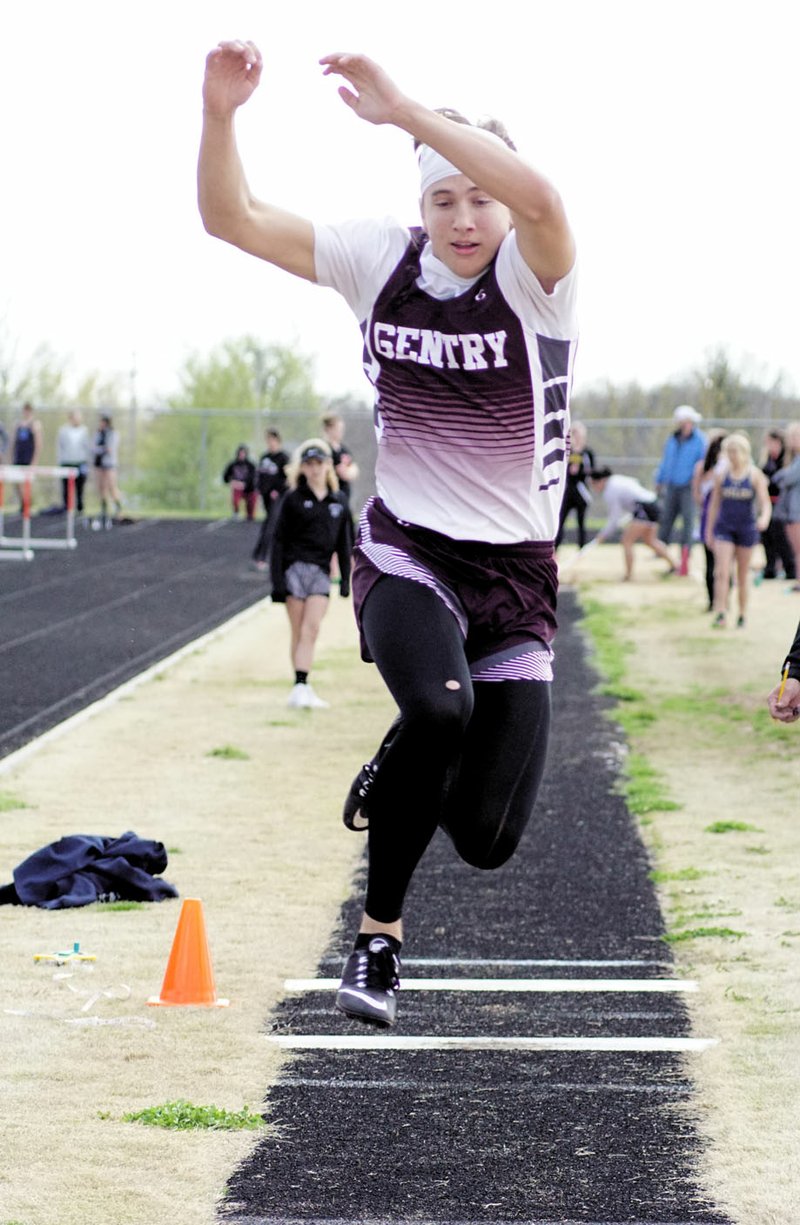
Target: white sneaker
x,y
299,697
316,703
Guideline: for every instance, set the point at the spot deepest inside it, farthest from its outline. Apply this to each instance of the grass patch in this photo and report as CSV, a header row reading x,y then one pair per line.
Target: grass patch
x,y
184,1116
104,906
602,623
644,788
702,933
10,802
732,827
660,878
229,752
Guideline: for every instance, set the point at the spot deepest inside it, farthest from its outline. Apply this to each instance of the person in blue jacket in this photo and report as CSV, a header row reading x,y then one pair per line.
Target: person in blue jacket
x,y
682,450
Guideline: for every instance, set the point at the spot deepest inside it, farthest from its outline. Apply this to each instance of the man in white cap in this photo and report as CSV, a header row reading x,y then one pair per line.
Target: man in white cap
x,y
682,450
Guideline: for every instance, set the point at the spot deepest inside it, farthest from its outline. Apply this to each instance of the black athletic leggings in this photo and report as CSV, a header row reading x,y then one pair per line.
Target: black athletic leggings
x,y
466,756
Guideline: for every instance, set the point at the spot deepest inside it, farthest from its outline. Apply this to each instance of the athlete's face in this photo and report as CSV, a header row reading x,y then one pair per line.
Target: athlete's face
x,y
465,225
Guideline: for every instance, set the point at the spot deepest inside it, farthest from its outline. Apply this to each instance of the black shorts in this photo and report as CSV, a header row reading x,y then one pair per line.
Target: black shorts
x,y
646,512
503,596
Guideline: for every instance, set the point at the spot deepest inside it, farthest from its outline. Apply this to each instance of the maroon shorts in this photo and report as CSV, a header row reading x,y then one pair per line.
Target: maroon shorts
x,y
503,596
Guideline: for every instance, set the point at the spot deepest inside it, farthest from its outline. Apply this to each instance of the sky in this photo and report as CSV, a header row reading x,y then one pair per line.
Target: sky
x,y
667,128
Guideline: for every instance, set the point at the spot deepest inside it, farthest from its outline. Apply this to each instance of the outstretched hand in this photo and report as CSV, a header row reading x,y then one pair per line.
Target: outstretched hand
x,y
377,100
233,71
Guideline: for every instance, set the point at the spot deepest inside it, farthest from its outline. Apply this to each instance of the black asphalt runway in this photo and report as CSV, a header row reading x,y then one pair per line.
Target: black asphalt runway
x,y
77,623
451,1136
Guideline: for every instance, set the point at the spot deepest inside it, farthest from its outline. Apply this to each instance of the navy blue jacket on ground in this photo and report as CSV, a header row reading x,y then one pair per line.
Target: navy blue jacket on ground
x,y
84,868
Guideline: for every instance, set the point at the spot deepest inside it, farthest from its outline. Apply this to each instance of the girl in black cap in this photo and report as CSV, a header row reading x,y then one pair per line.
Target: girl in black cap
x,y
313,523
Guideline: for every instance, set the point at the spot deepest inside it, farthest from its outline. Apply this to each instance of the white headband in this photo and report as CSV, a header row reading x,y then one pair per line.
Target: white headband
x,y
433,167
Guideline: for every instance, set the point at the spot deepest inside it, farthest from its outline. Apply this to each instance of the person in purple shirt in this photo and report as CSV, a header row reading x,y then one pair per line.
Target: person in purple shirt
x,y
469,334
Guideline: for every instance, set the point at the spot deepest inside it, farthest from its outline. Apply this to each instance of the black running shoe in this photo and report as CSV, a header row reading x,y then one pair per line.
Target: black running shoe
x,y
354,813
369,984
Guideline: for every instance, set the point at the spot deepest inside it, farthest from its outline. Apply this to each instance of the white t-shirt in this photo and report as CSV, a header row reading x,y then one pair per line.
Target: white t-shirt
x,y
621,493
471,423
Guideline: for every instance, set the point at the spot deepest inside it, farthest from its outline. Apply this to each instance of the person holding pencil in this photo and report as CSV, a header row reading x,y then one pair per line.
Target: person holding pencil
x,y
784,700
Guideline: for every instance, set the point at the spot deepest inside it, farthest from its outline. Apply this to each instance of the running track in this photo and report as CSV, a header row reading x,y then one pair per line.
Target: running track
x,y
554,1101
78,623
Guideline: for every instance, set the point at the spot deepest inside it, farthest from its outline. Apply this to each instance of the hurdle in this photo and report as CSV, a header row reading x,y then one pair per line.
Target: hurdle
x,y
23,547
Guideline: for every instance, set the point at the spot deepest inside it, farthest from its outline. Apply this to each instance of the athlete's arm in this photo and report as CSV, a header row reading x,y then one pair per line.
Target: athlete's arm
x,y
37,443
762,497
227,206
713,511
543,235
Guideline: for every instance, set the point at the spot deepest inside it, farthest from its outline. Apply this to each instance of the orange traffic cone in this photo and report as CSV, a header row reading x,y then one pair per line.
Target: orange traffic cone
x,y
189,978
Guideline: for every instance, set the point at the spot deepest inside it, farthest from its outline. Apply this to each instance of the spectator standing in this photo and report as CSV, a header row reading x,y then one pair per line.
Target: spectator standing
x,y
576,492
271,480
106,458
240,474
74,450
705,471
312,524
777,540
786,508
27,442
634,509
682,450
739,509
344,465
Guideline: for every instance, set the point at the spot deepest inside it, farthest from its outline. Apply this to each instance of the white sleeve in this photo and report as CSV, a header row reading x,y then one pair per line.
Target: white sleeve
x,y
356,258
557,312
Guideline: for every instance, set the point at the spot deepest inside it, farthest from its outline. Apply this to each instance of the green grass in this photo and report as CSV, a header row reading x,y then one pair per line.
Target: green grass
x,y
702,933
732,827
644,788
104,906
10,802
184,1116
661,878
229,752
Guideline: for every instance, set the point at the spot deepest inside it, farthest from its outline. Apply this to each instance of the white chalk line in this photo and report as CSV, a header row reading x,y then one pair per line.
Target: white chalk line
x,y
535,1088
518,961
552,985
441,1042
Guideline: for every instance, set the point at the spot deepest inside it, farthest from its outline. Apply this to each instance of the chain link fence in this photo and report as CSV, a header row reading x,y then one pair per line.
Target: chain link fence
x,y
172,460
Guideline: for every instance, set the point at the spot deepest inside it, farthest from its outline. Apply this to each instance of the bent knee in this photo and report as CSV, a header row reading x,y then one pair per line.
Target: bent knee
x,y
486,852
443,710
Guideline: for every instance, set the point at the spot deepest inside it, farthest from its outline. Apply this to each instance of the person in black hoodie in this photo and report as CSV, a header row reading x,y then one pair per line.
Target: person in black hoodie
x,y
240,474
271,484
313,523
776,545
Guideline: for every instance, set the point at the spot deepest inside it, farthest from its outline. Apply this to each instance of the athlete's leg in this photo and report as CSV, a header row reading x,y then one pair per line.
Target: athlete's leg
x,y
631,533
305,628
723,561
650,538
743,556
492,790
418,648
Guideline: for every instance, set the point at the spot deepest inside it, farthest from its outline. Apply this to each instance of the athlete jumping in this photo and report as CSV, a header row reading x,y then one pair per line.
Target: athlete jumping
x,y
469,331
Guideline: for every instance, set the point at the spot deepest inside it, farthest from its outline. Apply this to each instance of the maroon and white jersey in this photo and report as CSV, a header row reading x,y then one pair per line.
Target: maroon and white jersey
x,y
471,378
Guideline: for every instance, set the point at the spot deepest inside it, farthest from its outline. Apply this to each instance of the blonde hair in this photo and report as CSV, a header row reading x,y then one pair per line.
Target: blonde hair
x,y
792,437
293,473
738,442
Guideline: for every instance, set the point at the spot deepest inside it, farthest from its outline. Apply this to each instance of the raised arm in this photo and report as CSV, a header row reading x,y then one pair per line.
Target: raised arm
x,y
227,206
543,234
